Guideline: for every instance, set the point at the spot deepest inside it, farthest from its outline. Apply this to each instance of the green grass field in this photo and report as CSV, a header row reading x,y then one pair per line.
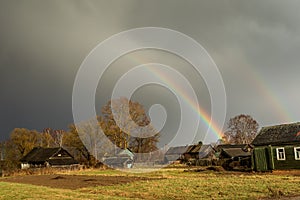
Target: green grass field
x,y
167,184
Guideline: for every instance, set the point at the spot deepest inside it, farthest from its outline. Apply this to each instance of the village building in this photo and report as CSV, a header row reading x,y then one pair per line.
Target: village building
x,y
192,151
189,153
122,158
234,156
206,155
47,157
176,154
277,147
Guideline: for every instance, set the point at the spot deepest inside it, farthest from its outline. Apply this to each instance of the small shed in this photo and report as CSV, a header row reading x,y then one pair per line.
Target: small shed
x,y
234,156
119,162
47,157
219,148
121,158
277,147
235,153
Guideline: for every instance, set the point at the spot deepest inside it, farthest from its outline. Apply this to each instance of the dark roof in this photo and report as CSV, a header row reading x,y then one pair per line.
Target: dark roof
x,y
177,150
116,161
39,155
227,146
285,133
205,150
193,148
236,152
119,152
173,157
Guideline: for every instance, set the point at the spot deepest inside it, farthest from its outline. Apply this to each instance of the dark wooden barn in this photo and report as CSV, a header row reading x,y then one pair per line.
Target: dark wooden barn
x,y
47,157
192,151
234,156
189,153
206,155
277,147
176,153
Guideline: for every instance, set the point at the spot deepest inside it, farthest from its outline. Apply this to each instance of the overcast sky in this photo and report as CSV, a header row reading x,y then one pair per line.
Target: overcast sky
x,y
255,45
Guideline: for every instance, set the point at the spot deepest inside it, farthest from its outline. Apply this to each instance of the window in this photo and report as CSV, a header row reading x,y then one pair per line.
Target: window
x,y
297,153
280,153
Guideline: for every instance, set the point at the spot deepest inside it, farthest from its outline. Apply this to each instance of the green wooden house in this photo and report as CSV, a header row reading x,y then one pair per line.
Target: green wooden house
x,y
277,148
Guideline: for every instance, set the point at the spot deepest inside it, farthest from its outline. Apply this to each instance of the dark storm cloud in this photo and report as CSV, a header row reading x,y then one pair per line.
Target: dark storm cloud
x,y
42,45
254,43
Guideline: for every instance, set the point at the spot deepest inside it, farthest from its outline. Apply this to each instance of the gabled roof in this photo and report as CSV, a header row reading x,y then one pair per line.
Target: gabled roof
x,y
126,152
195,148
177,150
119,152
205,150
279,134
39,155
236,152
227,146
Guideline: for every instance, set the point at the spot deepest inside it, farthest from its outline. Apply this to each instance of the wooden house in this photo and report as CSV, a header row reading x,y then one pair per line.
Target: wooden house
x,y
121,158
277,147
206,152
234,156
192,151
206,155
188,153
47,157
176,153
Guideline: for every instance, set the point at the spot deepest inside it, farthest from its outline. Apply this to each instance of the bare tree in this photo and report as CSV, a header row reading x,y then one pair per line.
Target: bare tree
x,y
47,139
57,136
242,129
123,138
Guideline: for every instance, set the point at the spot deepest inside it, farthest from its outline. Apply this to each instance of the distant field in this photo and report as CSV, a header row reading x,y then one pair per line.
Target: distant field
x,y
163,184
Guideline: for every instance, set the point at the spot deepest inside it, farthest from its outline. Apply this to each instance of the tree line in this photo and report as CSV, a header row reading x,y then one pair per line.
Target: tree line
x,y
241,129
22,140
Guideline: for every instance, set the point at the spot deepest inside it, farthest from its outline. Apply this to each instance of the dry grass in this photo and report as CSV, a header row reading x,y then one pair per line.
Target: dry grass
x,y
211,185
24,191
172,184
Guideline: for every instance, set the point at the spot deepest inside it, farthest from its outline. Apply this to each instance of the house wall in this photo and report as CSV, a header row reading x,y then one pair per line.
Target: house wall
x,y
25,165
290,162
264,158
61,154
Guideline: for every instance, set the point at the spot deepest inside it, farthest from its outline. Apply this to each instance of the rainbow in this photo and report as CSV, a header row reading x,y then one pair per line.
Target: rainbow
x,y
272,97
204,116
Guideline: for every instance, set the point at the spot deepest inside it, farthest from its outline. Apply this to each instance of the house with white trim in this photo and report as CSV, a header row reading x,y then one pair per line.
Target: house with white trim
x,y
277,148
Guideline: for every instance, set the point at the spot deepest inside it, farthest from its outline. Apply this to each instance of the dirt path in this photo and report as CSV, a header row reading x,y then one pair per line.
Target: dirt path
x,y
72,181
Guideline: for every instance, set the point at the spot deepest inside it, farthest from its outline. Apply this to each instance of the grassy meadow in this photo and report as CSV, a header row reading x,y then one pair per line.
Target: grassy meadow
x,y
167,184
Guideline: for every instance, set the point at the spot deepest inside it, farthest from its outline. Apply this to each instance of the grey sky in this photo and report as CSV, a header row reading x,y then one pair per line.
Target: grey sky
x,y
255,44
